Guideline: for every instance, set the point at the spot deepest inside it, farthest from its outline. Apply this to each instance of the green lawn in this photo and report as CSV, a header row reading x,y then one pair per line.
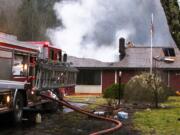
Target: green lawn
x,y
160,121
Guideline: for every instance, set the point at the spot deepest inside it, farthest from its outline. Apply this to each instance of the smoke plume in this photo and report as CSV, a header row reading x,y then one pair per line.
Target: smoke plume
x,y
91,28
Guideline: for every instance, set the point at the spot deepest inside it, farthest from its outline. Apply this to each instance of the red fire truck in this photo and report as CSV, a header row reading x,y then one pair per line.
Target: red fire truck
x,y
27,68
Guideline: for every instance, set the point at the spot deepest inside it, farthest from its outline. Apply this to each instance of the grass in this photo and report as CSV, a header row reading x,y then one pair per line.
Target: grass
x,y
160,121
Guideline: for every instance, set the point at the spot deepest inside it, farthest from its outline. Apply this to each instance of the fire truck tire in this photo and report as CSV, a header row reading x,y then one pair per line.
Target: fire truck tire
x,y
18,108
50,106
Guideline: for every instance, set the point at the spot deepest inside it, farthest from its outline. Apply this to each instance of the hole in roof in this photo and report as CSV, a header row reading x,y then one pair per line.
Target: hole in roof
x,y
169,52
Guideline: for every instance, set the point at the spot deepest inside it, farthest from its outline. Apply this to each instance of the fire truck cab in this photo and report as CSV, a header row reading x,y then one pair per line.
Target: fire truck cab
x,y
28,67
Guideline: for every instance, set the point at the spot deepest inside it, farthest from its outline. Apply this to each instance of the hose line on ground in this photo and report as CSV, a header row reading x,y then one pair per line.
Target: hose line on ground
x,y
105,131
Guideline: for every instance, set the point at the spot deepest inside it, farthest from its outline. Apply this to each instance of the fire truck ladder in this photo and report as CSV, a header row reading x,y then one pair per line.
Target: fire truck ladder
x,y
46,77
52,76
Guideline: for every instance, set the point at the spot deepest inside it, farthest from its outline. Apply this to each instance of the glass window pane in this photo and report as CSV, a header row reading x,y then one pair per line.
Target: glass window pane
x,y
89,77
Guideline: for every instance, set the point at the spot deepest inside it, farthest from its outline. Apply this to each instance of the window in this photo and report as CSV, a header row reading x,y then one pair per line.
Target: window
x,y
20,66
89,77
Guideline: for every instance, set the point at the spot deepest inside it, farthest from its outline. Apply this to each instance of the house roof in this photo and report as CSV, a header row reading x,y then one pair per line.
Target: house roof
x,y
136,57
86,62
140,57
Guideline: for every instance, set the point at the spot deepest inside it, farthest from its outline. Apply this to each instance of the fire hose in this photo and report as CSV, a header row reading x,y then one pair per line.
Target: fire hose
x,y
105,131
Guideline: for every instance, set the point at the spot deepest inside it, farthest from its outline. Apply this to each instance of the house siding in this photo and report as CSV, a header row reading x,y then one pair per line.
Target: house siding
x,y
126,75
175,80
108,78
80,89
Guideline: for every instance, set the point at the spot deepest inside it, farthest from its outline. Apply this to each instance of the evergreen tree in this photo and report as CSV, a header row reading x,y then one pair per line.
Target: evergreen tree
x,y
28,19
172,11
8,16
35,17
3,22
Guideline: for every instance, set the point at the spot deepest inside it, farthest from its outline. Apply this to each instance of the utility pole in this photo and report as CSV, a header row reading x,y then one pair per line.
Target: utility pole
x,y
119,96
152,29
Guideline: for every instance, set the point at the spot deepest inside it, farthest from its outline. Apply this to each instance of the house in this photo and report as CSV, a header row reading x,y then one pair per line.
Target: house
x,y
95,76
91,75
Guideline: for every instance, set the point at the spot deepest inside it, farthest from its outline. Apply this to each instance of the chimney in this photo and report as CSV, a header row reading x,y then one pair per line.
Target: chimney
x,y
122,51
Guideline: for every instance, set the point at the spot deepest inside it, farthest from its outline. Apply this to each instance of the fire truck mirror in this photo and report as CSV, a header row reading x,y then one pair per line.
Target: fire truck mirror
x,y
65,57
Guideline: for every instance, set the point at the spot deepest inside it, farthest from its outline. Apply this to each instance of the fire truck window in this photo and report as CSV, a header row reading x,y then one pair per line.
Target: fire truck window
x,y
52,54
31,71
59,56
20,65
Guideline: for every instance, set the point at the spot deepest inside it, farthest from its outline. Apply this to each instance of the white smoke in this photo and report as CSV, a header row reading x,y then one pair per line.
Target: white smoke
x,y
91,28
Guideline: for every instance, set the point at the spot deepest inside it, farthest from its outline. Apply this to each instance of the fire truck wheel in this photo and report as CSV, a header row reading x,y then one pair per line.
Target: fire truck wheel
x,y
18,108
50,107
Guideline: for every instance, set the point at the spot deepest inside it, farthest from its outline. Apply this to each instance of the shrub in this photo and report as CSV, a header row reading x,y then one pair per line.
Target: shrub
x,y
112,93
147,88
